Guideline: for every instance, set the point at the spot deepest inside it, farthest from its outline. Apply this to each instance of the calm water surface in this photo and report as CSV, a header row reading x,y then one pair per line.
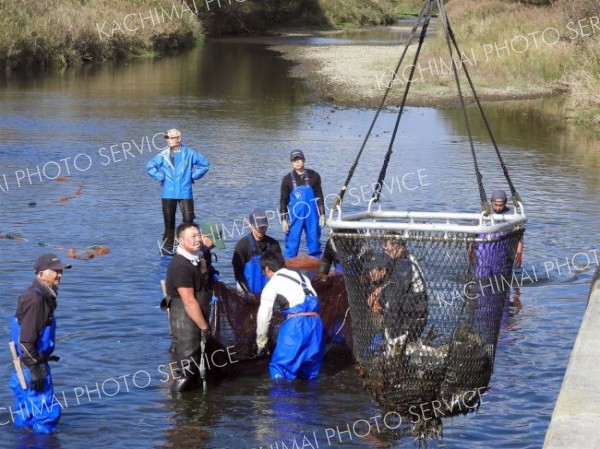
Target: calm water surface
x,y
236,105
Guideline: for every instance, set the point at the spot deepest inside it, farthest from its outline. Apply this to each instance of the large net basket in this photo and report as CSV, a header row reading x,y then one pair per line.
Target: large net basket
x,y
426,293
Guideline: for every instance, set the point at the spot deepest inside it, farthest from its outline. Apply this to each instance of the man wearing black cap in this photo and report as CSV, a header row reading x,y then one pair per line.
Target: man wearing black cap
x,y
176,168
32,330
499,200
301,203
248,250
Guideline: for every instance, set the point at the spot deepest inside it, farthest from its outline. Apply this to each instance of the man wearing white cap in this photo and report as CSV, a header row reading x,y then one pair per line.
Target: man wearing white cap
x,y
176,168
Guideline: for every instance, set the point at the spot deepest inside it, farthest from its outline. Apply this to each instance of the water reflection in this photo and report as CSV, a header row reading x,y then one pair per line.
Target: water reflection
x,y
240,82
537,125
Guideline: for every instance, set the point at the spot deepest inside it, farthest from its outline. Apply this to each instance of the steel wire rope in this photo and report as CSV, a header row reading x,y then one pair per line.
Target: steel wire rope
x,y
483,197
513,191
388,155
426,7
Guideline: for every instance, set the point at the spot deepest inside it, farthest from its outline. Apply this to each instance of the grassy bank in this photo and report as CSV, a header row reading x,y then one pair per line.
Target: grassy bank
x,y
50,33
527,47
257,16
63,32
512,50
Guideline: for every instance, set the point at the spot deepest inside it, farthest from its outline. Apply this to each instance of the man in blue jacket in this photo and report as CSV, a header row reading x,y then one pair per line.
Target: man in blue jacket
x,y
176,168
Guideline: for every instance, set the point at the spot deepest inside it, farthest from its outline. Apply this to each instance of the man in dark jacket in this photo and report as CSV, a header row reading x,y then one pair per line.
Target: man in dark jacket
x,y
248,250
301,202
32,330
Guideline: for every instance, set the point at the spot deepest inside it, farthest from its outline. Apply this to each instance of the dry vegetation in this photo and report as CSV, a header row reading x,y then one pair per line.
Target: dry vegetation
x,y
62,32
526,47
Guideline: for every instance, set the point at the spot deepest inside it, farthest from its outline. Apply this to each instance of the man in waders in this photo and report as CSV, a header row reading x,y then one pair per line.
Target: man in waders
x,y
176,168
301,203
301,343
247,253
189,307
32,330
499,200
491,266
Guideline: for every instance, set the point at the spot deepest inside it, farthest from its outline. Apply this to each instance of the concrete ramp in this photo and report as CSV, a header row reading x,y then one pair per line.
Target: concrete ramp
x,y
576,418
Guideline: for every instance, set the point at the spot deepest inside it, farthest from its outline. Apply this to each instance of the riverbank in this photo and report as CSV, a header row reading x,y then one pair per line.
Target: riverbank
x,y
512,51
58,33
358,75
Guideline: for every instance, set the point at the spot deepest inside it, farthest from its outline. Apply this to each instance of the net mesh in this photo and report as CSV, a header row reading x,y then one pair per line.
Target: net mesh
x,y
426,311
235,323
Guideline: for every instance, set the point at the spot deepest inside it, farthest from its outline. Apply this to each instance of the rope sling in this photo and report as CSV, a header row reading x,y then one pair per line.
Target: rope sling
x,y
426,290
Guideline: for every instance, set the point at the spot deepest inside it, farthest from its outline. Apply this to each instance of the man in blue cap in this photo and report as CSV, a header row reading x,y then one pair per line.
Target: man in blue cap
x,y
301,203
32,330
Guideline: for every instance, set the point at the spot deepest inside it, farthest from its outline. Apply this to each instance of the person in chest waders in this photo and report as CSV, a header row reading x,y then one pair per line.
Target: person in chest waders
x,y
301,343
247,253
301,203
188,317
32,331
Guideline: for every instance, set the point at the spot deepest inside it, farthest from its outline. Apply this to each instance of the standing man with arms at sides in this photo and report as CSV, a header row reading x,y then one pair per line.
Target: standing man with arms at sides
x,y
176,168
248,251
32,330
302,203
188,317
301,344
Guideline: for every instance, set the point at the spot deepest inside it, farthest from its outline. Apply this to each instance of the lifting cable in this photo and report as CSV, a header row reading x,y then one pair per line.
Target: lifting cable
x,y
388,155
423,20
513,191
425,11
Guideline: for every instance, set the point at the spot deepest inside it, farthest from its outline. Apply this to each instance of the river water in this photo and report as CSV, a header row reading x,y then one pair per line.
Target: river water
x,y
235,104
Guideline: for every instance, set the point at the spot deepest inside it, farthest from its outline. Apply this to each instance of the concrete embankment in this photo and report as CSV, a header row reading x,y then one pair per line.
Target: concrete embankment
x,y
576,418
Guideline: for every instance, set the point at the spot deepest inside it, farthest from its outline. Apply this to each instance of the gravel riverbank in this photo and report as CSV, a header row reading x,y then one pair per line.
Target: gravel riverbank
x,y
357,75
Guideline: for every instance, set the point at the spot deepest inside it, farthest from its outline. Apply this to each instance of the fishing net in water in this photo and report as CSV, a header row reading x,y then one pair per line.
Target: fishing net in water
x,y
426,307
234,322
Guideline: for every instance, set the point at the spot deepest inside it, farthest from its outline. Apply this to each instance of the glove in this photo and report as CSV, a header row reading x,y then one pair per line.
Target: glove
x,y
519,259
261,352
322,220
321,277
206,335
248,295
285,226
38,376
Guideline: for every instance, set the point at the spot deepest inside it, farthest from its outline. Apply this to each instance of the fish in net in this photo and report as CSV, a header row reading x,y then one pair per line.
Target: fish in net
x,y
426,311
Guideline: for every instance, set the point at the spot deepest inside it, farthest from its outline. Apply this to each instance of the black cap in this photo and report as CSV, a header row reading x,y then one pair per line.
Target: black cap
x,y
375,262
49,262
297,154
258,219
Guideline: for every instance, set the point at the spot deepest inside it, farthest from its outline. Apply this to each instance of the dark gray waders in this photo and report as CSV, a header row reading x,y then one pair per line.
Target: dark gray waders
x,y
195,361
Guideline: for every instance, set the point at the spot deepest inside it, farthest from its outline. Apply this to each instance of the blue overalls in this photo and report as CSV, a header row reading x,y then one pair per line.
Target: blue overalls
x,y
253,273
35,409
301,343
304,214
